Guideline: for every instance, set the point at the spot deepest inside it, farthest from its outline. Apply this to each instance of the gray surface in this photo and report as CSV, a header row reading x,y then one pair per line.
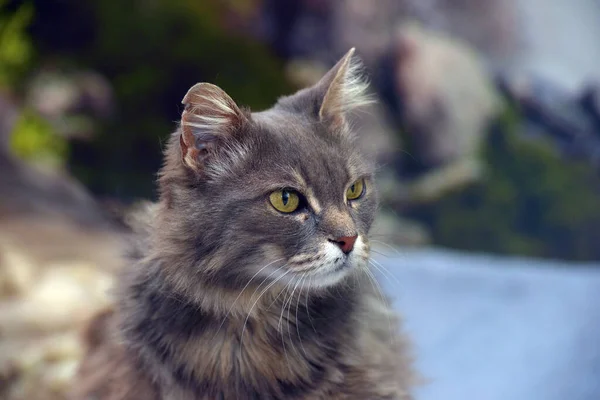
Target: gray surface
x,y
490,328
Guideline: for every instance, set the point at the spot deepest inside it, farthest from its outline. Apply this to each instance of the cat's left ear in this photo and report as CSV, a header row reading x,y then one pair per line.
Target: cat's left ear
x,y
210,121
346,90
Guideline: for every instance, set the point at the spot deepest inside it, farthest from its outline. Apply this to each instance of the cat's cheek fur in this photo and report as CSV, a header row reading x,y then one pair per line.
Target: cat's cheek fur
x,y
274,262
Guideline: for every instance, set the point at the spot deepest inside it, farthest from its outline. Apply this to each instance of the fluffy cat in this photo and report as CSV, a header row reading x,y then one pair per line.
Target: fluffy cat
x,y
250,279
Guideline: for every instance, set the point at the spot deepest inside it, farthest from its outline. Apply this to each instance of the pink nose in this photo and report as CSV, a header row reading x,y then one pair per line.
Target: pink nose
x,y
346,243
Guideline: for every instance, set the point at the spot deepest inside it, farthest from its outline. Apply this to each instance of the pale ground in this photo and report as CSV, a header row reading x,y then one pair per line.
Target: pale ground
x,y
53,277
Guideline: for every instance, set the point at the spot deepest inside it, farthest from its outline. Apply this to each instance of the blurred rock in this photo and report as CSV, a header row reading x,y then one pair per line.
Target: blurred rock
x,y
436,183
491,27
43,308
324,29
367,25
446,97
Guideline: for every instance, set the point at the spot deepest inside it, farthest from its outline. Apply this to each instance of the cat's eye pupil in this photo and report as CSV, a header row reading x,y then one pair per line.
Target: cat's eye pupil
x,y
355,190
285,200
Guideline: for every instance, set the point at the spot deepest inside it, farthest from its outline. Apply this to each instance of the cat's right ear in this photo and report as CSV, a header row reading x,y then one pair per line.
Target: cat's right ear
x,y
210,118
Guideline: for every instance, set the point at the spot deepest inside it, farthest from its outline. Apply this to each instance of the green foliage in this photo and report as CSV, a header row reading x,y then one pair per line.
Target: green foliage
x,y
152,53
15,47
156,45
34,140
532,203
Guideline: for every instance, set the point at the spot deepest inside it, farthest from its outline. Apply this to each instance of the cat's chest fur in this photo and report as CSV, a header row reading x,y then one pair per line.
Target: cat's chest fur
x,y
358,355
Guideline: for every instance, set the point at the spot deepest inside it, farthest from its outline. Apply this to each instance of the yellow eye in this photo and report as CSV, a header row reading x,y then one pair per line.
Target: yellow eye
x,y
356,190
285,200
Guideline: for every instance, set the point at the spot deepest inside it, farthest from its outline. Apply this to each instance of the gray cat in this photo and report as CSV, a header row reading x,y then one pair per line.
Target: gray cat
x,y
250,278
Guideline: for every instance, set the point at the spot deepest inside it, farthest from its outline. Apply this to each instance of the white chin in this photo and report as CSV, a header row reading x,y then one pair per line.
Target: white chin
x,y
334,274
327,279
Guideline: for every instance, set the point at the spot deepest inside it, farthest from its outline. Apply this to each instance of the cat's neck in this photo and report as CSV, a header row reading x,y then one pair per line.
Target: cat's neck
x,y
284,342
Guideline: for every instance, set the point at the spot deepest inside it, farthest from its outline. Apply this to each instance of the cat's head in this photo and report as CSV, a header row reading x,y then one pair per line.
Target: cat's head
x,y
283,194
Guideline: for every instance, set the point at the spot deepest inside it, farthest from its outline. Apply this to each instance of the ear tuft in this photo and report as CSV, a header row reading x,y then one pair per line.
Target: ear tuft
x,y
210,116
348,90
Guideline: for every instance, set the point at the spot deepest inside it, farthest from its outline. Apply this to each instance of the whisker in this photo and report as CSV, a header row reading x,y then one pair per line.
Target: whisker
x,y
355,281
358,279
384,274
285,301
303,280
306,304
281,330
384,271
265,280
244,288
282,305
256,302
380,253
387,245
288,316
277,297
337,289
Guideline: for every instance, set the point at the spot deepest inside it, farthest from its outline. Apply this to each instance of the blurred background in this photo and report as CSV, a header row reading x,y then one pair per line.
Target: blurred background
x,y
488,139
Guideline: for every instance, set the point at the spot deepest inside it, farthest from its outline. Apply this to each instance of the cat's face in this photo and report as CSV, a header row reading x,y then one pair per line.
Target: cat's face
x,y
282,195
